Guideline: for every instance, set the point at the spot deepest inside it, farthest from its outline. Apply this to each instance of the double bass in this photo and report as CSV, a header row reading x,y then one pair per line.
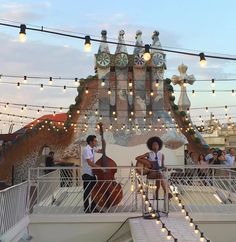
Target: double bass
x,y
107,192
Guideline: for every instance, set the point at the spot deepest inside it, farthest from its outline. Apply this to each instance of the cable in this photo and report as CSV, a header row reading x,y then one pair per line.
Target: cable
x,y
77,79
42,29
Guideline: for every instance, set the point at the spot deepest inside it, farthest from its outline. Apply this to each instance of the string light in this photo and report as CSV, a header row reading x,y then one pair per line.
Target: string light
x,y
41,87
212,82
185,83
213,92
77,83
64,89
87,44
226,108
193,93
86,90
109,91
206,109
202,237
163,228
103,83
146,55
22,33
203,61
157,83
131,92
18,85
130,83
233,93
168,235
50,81
25,79
151,93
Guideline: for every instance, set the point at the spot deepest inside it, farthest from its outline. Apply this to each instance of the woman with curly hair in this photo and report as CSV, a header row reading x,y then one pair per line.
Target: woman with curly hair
x,y
154,160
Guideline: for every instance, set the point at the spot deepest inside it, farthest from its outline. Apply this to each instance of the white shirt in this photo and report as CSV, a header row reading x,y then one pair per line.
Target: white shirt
x,y
208,157
152,157
88,153
230,160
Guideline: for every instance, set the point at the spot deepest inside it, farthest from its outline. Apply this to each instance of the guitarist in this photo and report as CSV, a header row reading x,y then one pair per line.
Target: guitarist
x,y
89,179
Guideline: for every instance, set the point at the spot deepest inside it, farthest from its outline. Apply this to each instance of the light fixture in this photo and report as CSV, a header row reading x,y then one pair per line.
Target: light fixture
x,y
86,90
157,83
233,93
206,109
168,235
64,89
41,87
191,222
163,228
196,229
146,55
183,209
212,82
60,109
22,33
131,92
77,83
50,81
185,83
202,237
103,82
187,216
25,79
213,92
158,220
226,108
203,61
87,44
18,85
109,91
193,92
151,93
130,83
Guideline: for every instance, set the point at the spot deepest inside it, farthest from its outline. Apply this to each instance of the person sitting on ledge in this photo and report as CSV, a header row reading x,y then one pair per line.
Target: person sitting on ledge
x,y
154,160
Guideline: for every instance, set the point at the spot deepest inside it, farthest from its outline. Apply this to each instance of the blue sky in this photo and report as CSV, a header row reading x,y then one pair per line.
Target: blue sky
x,y
206,26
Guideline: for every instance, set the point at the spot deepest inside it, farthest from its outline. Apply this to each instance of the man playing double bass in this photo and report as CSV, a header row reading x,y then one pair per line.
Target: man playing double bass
x,y
89,179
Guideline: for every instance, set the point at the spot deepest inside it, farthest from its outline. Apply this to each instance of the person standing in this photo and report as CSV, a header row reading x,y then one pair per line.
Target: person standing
x,y
230,158
89,179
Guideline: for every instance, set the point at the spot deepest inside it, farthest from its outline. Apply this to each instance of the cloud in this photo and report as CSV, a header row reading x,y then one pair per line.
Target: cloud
x,y
22,12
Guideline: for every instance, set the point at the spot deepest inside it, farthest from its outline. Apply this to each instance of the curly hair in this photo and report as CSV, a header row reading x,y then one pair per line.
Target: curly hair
x,y
152,140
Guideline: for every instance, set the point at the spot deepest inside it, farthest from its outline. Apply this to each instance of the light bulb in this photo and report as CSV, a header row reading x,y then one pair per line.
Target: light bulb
x,y
87,44
22,33
147,55
203,61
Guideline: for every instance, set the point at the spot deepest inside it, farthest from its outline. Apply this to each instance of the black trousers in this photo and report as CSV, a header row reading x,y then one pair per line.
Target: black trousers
x,y
88,184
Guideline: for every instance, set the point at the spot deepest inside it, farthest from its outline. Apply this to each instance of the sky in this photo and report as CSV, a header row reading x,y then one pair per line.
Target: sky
x,y
204,26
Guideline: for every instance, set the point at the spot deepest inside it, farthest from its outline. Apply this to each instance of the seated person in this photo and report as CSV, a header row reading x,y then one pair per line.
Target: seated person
x,y
154,160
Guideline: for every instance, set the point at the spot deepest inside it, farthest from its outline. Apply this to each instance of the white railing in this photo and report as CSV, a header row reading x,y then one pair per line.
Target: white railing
x,y
13,206
60,190
204,189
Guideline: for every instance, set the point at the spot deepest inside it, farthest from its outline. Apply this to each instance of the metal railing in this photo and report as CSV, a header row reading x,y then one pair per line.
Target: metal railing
x,y
61,190
13,206
204,189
